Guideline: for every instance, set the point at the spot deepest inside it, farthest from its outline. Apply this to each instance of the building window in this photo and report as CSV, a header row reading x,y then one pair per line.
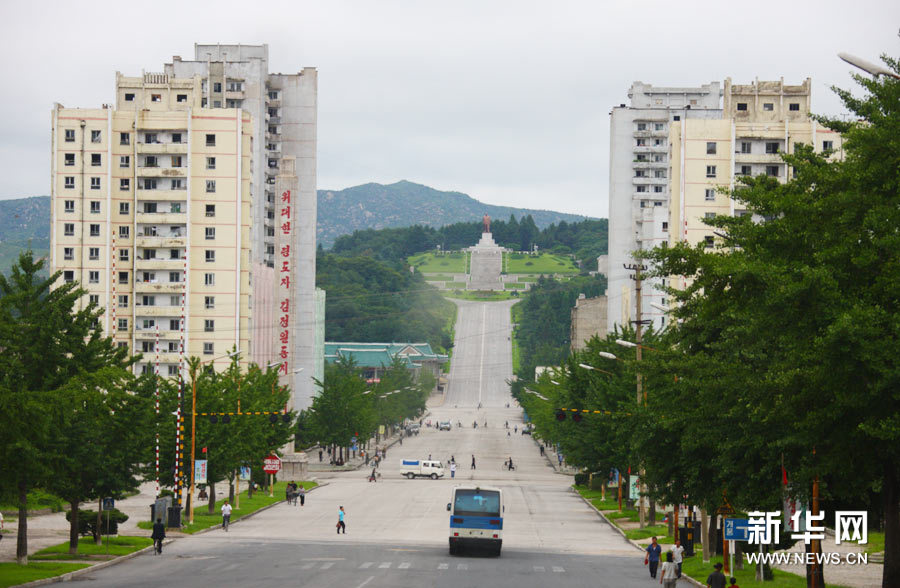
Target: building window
x,y
209,302
665,226
273,130
95,207
68,253
95,183
124,184
742,106
217,87
772,170
95,230
175,277
124,231
768,106
710,194
710,171
93,277
176,161
123,207
155,97
210,255
203,102
148,300
150,207
124,138
711,148
174,324
659,127
129,97
95,136
70,182
210,210
207,349
69,205
123,277
70,159
210,163
123,255
210,233
771,147
827,145
70,135
709,215
795,106
177,184
68,276
273,112
209,279
123,301
69,229
149,183
176,137
94,253
151,161
210,140
123,324
640,173
209,326
273,95
175,207
676,118
642,126
150,138
124,160
173,369
659,173
173,254
210,185
746,170
641,188
640,142
181,98
708,241
174,299
657,189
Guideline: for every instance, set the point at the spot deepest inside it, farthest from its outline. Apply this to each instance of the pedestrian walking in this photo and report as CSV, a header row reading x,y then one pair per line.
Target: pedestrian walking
x,y
717,578
1,525
542,451
159,533
510,465
678,555
669,574
226,515
320,456
515,428
289,492
452,469
340,524
652,558
733,583
302,493
473,462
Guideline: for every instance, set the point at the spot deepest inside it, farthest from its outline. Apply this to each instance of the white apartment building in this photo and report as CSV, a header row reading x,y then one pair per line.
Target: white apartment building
x,y
639,187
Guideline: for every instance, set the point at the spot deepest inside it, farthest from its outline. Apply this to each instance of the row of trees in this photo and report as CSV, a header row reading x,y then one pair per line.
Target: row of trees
x,y
586,239
783,348
75,421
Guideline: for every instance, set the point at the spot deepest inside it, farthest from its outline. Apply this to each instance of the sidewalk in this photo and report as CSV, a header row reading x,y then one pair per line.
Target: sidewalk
x,y
553,461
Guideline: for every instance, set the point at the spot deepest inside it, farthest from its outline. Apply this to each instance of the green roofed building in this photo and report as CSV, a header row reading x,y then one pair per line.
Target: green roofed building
x,y
375,358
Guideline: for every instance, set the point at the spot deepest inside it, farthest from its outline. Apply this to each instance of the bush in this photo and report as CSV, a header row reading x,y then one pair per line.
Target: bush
x,y
529,263
87,522
581,479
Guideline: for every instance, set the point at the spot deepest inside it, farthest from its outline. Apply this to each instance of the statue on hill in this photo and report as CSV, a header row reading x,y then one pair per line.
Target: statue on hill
x,y
486,224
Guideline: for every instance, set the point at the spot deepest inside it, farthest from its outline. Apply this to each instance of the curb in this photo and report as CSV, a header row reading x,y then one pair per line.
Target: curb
x,y
105,564
684,576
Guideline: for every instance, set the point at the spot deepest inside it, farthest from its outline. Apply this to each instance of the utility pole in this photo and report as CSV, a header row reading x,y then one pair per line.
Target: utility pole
x,y
641,393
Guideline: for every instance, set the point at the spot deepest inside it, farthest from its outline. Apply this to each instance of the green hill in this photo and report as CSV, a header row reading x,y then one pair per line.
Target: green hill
x,y
24,222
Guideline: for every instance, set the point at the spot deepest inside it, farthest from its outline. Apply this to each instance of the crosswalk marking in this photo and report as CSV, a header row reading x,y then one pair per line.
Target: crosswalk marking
x,y
538,568
403,566
366,565
384,565
443,566
462,566
307,566
327,565
558,569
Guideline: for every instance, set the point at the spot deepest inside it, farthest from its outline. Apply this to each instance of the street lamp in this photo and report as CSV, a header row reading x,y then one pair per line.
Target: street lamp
x,y
194,419
530,391
867,66
594,369
607,355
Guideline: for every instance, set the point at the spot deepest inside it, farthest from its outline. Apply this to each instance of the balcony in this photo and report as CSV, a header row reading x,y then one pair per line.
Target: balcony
x,y
159,264
273,120
161,218
162,148
141,311
161,172
157,288
234,94
273,138
160,242
164,331
641,133
273,103
178,195
767,158
659,134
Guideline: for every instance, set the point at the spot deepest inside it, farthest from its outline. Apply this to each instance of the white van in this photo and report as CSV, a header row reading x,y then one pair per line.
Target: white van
x,y
412,468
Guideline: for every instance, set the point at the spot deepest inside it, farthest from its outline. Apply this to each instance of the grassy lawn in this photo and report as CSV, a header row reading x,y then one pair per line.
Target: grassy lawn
x,y
876,542
514,286
544,263
12,574
455,285
478,295
203,520
528,279
37,499
695,568
454,263
438,277
121,545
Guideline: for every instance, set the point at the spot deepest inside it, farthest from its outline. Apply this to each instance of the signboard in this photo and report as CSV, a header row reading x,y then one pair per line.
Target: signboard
x,y
109,504
272,464
245,473
634,488
200,471
381,429
737,529
284,270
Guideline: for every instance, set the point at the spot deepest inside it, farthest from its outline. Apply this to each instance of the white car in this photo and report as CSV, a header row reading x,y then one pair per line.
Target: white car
x,y
445,426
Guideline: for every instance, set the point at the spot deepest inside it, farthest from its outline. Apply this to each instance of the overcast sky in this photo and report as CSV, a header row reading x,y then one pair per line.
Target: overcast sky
x,y
506,101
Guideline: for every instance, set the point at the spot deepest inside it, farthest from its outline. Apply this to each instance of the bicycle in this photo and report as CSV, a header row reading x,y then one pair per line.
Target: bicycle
x,y
225,520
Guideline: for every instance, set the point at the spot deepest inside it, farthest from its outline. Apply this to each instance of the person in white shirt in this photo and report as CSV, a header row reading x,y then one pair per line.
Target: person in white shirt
x,y
669,575
452,469
226,515
678,555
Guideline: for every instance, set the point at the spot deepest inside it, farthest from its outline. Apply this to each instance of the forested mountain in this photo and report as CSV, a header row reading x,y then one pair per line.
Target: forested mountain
x,y
24,222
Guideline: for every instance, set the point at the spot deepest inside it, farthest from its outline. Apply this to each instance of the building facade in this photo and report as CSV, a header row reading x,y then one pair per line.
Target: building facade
x,y
639,187
151,213
588,320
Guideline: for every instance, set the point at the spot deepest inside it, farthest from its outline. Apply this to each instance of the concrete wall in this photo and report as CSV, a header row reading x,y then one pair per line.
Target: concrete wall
x,y
588,319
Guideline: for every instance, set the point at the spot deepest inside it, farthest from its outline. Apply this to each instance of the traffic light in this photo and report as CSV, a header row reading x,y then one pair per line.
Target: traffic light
x,y
560,415
286,418
273,418
213,419
576,416
226,418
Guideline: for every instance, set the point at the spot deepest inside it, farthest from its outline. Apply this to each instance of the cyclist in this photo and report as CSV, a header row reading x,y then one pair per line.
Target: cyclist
x,y
226,515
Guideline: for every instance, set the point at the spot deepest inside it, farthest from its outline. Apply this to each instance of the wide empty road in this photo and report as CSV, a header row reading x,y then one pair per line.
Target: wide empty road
x,y
397,529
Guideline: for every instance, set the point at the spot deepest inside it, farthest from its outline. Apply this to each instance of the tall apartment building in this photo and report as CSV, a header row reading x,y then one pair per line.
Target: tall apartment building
x,y
761,121
151,209
283,108
639,186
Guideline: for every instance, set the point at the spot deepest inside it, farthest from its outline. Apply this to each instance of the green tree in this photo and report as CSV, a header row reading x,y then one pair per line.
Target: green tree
x,y
790,334
344,407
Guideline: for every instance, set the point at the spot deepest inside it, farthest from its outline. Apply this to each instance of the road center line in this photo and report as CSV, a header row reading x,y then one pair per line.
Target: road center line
x,y
367,580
